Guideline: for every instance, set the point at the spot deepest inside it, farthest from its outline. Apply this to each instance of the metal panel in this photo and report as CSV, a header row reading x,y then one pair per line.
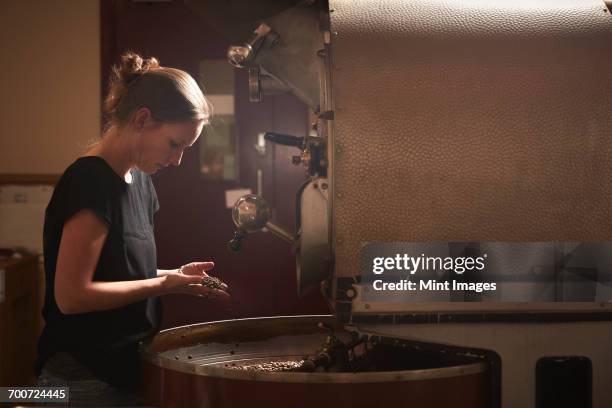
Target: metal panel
x,y
470,121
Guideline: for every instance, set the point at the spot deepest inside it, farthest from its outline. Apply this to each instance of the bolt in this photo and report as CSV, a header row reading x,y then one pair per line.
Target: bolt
x,y
323,186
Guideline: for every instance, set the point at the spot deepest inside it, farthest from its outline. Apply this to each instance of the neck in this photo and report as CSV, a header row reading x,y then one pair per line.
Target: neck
x,y
115,149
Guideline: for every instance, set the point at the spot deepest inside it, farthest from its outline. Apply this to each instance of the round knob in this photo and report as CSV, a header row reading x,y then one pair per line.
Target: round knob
x,y
251,213
238,55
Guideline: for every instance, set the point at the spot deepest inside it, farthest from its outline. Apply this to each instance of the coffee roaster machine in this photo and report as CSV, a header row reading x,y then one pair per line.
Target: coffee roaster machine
x,y
437,121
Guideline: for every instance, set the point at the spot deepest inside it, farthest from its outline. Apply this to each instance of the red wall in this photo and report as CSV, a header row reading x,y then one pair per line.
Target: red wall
x,y
193,223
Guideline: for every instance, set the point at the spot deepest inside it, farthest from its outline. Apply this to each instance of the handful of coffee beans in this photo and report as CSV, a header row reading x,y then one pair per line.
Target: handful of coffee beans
x,y
214,283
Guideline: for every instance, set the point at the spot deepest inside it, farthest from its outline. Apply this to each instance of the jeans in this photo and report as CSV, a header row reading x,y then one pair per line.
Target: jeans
x,y
63,370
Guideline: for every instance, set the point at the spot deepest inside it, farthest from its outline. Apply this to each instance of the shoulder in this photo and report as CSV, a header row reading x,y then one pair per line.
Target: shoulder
x,y
90,173
93,166
88,183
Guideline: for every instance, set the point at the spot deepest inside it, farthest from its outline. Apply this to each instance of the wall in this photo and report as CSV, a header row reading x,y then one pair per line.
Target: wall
x,y
52,75
50,53
193,223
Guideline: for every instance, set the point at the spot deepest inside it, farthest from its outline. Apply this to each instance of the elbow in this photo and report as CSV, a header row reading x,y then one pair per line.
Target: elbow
x,y
67,302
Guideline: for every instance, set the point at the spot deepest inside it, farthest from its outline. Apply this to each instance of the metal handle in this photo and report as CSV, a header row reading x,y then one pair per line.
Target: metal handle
x,y
241,55
283,139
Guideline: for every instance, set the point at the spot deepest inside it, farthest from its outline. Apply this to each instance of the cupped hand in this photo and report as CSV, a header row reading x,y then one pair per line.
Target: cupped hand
x,y
199,269
191,285
189,280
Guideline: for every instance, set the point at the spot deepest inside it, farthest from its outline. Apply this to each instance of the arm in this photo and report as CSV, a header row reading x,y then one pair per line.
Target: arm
x,y
75,291
164,272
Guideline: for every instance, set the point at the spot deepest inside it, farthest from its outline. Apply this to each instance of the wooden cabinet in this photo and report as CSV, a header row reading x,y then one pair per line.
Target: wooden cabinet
x,y
19,319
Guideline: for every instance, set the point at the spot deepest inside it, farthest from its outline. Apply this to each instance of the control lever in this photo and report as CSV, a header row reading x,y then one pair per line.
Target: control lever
x,y
286,140
241,56
251,213
312,151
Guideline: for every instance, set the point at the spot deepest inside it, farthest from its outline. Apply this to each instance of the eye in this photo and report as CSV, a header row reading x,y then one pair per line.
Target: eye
x,y
173,144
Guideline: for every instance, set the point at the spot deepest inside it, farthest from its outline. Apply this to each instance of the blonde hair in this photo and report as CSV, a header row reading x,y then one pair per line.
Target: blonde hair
x,y
170,94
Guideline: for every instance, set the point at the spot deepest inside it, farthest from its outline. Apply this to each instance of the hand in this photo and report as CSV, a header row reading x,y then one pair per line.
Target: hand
x,y
188,279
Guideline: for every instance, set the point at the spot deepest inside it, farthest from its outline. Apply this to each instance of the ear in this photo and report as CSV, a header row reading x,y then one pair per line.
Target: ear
x,y
140,118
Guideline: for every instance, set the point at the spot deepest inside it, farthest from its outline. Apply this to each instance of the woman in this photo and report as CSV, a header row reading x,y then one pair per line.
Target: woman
x,y
100,258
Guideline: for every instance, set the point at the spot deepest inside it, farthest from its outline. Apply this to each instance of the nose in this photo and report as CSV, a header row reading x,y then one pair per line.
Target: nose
x,y
176,157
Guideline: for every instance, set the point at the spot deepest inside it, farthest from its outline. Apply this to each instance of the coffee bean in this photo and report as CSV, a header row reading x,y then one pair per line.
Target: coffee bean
x,y
272,366
213,283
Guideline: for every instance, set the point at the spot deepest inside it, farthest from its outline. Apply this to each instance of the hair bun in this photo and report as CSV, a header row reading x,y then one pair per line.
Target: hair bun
x,y
170,94
133,65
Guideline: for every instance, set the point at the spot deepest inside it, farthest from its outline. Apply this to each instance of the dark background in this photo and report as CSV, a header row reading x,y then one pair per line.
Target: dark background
x,y
193,223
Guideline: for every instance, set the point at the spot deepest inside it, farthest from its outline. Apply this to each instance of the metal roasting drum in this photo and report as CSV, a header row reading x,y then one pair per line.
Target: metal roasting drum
x,y
195,366
437,121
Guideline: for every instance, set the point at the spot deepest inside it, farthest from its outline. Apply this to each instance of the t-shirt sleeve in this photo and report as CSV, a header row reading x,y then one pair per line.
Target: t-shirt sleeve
x,y
88,189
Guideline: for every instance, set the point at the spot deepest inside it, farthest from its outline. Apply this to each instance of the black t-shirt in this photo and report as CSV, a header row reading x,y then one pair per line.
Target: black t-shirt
x,y
105,341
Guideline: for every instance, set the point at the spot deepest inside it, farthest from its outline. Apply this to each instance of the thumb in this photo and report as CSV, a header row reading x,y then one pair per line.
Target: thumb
x,y
192,279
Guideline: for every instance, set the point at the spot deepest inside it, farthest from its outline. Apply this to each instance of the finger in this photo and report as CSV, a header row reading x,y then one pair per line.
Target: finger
x,y
197,268
216,294
213,294
204,266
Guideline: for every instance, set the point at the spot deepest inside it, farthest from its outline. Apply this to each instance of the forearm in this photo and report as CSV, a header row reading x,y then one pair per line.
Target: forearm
x,y
165,272
97,296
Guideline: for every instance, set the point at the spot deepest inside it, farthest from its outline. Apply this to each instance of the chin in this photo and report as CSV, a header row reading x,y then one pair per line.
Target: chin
x,y
148,169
